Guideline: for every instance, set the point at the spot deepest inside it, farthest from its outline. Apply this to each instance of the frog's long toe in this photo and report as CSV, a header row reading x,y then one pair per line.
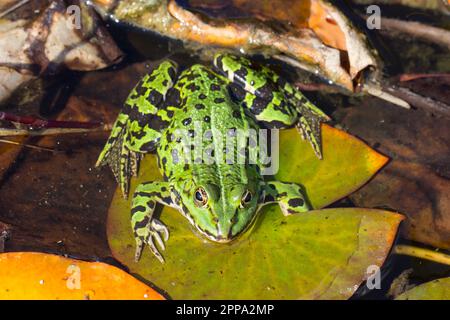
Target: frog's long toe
x,y
152,233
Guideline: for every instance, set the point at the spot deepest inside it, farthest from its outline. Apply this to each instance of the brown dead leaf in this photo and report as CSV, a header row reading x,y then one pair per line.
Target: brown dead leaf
x,y
417,180
52,42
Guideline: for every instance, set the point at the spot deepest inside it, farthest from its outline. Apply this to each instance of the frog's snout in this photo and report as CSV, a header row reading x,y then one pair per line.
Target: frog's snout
x,y
224,232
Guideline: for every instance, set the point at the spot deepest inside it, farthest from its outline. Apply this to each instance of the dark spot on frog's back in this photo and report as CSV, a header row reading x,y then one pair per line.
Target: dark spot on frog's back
x,y
296,202
170,113
187,121
173,97
207,119
193,87
155,97
202,96
219,100
199,106
140,90
214,87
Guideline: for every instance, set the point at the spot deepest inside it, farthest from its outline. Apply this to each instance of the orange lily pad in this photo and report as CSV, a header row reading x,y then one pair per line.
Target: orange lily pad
x,y
30,276
322,254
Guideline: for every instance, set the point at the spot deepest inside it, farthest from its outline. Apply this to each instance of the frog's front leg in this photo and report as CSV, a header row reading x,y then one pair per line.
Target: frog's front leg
x,y
132,134
289,196
146,227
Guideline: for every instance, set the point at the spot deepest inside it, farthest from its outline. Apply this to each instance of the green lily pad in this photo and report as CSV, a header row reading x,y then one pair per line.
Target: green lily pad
x,y
347,164
434,290
318,255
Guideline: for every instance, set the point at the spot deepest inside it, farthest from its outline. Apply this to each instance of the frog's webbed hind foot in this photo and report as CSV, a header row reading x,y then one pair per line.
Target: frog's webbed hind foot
x,y
154,231
123,162
309,126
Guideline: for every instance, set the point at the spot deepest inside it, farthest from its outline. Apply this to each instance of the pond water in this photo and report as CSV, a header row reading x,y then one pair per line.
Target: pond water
x,y
55,200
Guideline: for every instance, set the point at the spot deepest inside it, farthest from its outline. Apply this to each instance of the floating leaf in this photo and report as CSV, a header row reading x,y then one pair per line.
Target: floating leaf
x,y
435,290
319,255
26,275
347,165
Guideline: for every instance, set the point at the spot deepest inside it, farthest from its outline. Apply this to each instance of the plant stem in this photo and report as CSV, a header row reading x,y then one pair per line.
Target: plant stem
x,y
422,253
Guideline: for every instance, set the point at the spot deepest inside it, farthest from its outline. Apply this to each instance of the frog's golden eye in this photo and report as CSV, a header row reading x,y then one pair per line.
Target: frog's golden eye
x,y
246,198
200,198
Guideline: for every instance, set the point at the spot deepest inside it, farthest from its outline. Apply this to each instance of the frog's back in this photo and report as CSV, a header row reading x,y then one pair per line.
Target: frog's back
x,y
204,117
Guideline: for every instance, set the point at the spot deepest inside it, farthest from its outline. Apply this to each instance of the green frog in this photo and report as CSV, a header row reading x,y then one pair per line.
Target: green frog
x,y
197,110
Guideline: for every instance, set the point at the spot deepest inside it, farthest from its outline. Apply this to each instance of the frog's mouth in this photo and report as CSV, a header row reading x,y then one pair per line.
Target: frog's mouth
x,y
229,238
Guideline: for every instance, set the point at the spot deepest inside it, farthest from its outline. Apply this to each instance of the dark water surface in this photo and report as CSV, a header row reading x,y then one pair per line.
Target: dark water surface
x,y
58,202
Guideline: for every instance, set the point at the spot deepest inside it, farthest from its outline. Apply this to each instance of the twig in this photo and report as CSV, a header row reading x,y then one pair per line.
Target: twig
x,y
13,7
422,253
51,131
414,76
28,145
378,92
418,30
41,123
419,101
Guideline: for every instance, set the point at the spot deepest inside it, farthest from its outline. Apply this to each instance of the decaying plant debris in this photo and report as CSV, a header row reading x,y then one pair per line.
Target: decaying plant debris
x,y
322,41
43,45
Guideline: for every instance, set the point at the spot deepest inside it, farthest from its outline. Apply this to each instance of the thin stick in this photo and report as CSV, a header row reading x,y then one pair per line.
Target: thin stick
x,y
419,101
422,253
41,123
28,145
380,93
414,76
50,131
12,8
418,30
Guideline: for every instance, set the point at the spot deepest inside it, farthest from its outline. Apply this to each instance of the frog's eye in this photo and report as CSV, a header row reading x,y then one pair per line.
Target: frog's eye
x,y
246,198
200,198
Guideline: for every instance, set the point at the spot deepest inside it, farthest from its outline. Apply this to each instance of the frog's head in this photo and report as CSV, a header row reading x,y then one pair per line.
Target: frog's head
x,y
221,213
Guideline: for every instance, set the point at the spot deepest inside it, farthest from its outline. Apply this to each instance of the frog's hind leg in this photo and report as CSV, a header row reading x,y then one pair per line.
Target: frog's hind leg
x,y
310,116
132,133
146,228
289,196
272,99
256,92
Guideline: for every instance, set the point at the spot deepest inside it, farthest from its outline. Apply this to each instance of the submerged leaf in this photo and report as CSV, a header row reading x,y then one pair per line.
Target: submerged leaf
x,y
318,255
435,290
29,276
